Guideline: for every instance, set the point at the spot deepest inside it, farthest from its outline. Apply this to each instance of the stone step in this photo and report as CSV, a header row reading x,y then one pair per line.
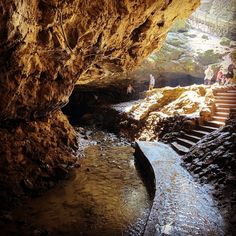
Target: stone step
x,y
222,114
192,138
232,110
221,109
219,118
207,128
185,142
198,133
225,101
225,105
225,97
213,123
181,150
226,94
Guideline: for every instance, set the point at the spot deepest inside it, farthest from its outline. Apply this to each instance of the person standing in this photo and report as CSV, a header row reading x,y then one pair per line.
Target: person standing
x,y
130,90
220,76
230,75
151,82
209,73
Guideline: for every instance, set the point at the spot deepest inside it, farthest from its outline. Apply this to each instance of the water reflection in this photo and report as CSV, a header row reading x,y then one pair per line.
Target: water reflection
x,y
105,196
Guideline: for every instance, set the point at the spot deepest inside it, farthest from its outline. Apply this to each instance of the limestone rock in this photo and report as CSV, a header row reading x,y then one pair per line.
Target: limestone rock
x,y
150,113
46,46
185,56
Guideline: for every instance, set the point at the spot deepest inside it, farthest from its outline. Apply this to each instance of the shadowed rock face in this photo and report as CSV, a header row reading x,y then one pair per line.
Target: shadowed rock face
x,y
212,160
46,46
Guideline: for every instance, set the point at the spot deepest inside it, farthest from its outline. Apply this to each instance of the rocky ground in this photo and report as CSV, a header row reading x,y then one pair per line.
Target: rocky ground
x,y
213,161
144,119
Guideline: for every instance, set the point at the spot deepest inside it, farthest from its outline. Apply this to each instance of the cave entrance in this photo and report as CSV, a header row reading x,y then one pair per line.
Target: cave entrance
x,y
134,135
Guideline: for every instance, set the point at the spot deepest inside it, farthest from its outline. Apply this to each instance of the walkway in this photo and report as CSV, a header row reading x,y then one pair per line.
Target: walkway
x,y
181,206
225,105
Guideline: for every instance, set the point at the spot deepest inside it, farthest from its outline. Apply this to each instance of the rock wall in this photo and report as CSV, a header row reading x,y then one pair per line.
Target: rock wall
x,y
46,46
212,160
34,155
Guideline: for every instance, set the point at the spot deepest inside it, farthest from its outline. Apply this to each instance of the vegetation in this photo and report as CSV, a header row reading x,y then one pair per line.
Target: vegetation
x,y
225,42
209,57
205,37
180,26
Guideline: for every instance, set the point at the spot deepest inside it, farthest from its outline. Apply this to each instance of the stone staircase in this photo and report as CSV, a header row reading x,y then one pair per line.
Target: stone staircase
x,y
225,101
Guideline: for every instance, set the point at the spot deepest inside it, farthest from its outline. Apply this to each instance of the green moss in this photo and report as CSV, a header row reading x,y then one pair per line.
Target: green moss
x,y
225,41
168,53
175,42
205,37
209,57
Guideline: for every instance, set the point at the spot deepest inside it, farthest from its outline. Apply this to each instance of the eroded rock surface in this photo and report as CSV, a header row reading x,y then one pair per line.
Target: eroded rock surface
x,y
144,119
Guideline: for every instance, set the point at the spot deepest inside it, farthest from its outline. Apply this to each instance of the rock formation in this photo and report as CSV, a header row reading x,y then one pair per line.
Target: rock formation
x,y
212,160
46,46
34,155
144,119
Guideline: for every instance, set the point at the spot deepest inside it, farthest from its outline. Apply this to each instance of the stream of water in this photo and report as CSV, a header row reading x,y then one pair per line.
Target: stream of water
x,y
105,196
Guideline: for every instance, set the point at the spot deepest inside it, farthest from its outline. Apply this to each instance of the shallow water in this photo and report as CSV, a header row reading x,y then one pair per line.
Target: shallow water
x,y
105,196
181,205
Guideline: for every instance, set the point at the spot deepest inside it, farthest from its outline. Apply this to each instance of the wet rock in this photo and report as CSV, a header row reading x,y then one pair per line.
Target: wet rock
x,y
28,184
6,218
217,166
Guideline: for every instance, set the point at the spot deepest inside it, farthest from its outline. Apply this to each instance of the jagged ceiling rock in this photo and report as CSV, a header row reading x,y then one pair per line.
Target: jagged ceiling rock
x,y
46,46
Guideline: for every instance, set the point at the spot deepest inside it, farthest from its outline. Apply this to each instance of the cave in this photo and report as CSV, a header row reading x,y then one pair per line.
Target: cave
x,y
117,117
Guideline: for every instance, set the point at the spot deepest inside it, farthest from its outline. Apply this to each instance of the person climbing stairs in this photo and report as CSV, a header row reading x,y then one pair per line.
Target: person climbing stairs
x,y
225,104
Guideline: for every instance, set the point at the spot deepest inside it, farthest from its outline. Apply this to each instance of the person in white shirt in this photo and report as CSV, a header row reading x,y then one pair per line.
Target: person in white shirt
x,y
209,73
151,82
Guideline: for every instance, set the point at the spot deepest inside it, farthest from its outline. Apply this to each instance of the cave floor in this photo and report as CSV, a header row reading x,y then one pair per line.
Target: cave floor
x,y
105,196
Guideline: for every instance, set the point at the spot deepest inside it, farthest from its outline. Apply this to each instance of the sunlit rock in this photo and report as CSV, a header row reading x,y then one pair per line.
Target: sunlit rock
x,y
194,101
